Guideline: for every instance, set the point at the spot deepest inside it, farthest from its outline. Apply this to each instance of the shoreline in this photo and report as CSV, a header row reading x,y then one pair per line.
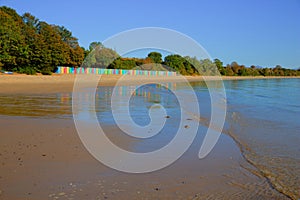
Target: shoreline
x,y
35,84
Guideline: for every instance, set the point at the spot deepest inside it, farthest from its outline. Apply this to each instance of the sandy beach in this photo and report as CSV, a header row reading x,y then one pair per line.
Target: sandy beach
x,y
43,158
33,84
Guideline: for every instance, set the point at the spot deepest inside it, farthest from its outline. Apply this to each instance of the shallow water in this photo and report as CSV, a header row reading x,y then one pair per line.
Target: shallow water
x,y
262,117
35,105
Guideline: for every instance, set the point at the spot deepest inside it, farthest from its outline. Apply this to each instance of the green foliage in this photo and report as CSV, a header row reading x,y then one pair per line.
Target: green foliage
x,y
12,45
47,71
137,63
94,45
234,69
105,56
203,67
25,41
219,64
208,68
156,57
192,66
99,56
180,64
26,70
123,63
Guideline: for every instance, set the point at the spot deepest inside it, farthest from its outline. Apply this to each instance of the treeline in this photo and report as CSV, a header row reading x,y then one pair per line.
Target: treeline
x,y
28,45
154,61
192,66
234,69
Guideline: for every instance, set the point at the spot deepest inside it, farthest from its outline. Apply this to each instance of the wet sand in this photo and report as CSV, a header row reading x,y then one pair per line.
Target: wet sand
x,y
44,159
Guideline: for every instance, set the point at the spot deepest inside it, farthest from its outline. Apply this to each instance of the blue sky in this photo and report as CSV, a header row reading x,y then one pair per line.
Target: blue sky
x,y
259,32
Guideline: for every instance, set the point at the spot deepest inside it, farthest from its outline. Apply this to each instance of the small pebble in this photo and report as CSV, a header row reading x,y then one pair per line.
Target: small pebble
x,y
186,126
167,116
61,194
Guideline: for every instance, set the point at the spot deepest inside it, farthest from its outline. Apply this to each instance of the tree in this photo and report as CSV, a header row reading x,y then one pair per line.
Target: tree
x,y
235,67
208,68
180,64
93,45
219,65
105,56
123,63
228,71
278,70
31,21
28,45
156,57
66,36
13,50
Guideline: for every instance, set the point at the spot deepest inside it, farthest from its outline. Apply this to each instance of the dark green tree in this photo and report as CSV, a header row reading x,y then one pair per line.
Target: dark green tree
x,y
28,45
180,64
94,45
156,57
220,66
13,49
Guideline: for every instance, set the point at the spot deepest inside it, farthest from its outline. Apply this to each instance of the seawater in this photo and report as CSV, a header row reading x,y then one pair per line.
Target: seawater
x,y
263,117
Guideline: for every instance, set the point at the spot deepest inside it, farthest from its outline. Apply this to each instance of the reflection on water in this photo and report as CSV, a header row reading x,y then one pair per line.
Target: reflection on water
x,y
45,106
60,105
141,100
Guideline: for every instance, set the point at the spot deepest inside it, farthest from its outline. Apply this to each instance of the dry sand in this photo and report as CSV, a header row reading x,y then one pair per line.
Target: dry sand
x,y
64,83
44,159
